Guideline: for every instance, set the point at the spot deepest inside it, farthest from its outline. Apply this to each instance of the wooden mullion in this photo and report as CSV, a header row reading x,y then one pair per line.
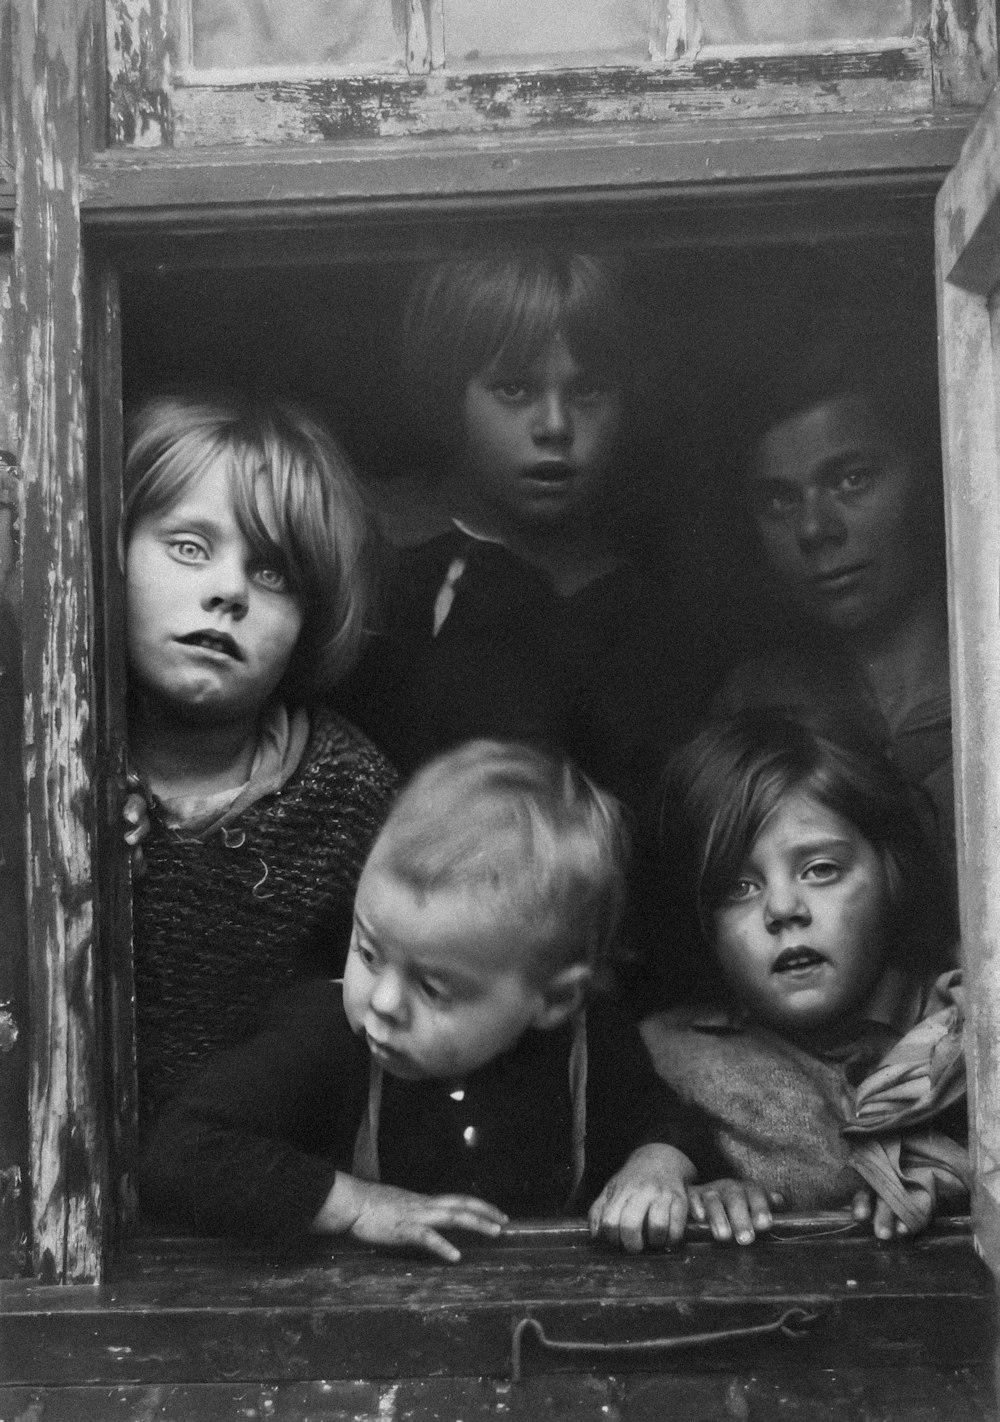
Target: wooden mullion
x,y
137,44
116,1002
418,40
436,22
963,51
668,29
14,1173
93,71
968,216
13,959
66,1099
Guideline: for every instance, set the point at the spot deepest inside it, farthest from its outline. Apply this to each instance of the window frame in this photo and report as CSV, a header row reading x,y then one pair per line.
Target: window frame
x,y
157,99
968,278
116,206
672,34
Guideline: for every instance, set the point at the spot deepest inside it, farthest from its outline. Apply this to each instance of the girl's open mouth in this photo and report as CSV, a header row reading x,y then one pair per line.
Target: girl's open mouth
x,y
797,960
220,642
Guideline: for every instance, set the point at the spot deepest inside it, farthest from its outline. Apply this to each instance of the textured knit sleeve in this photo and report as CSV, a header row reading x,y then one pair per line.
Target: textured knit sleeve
x,y
627,1104
252,1145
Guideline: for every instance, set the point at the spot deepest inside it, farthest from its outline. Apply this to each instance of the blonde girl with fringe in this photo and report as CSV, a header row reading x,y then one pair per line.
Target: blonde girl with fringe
x,y
248,565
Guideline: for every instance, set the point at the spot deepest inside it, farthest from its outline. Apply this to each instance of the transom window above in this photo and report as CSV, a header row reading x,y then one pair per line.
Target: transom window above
x,y
480,34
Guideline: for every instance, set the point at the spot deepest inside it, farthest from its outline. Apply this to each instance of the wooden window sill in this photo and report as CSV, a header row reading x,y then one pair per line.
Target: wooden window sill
x,y
179,1311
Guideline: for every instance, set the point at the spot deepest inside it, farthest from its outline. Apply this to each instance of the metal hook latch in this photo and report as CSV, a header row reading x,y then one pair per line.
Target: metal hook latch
x,y
794,1323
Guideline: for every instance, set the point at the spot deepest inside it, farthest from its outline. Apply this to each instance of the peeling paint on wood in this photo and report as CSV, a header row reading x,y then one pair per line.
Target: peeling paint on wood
x,y
668,31
418,38
6,142
157,100
10,386
13,949
968,244
964,43
435,24
139,48
320,110
9,1030
10,504
950,60
105,440
13,1216
65,1090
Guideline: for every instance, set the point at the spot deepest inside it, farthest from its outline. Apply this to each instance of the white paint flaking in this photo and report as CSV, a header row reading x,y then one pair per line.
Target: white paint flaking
x,y
387,1404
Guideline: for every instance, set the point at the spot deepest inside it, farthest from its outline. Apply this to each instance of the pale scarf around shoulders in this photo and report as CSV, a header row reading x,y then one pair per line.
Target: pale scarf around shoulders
x,y
281,744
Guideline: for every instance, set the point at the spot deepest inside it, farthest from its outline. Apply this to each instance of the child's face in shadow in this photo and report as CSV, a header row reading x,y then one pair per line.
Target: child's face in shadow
x,y
539,444
800,938
836,504
210,627
436,982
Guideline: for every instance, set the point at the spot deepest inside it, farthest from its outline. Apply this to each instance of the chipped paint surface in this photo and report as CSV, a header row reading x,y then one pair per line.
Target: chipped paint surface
x,y
156,100
9,377
9,1031
15,1242
971,198
139,50
13,1005
64,1096
314,111
964,38
10,385
387,1404
968,243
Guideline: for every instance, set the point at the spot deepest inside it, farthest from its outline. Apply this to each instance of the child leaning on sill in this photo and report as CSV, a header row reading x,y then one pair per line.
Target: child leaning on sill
x,y
466,1068
831,1065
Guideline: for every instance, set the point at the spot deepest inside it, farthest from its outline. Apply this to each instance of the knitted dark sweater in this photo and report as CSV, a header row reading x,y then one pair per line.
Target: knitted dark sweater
x,y
224,924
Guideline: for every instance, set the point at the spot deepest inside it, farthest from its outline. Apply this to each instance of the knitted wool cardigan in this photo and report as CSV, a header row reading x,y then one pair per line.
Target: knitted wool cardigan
x,y
223,924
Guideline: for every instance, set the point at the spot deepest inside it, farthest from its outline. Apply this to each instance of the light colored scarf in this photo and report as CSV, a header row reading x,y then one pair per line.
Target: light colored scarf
x,y
921,1075
281,744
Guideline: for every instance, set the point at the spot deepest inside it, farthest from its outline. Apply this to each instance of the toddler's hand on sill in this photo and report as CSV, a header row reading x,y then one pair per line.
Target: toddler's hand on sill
x,y
866,1205
386,1215
733,1209
645,1202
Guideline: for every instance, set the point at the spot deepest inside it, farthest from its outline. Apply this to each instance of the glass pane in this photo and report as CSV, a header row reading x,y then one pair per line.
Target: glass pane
x,y
483,33
794,21
230,34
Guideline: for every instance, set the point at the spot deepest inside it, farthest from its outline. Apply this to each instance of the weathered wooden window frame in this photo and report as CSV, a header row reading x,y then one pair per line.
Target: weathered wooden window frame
x,y
158,99
968,255
83,210
673,32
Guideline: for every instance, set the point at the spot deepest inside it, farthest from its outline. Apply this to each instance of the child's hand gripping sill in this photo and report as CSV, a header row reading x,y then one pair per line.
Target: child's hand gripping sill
x,y
387,1215
733,1209
646,1201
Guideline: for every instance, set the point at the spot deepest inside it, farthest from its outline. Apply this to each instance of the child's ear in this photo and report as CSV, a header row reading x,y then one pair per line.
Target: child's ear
x,y
562,996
